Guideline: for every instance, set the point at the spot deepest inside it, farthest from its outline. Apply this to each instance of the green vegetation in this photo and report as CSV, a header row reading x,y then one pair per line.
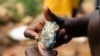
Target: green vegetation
x,y
2,1
31,7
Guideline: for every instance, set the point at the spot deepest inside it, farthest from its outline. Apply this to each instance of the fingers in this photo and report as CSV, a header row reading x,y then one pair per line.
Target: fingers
x,y
54,52
62,37
45,52
34,51
33,31
40,48
31,34
61,33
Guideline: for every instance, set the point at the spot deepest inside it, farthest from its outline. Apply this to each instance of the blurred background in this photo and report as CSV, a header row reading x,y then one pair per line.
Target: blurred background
x,y
16,15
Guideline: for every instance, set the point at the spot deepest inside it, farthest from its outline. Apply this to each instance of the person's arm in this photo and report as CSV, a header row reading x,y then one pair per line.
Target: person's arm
x,y
77,26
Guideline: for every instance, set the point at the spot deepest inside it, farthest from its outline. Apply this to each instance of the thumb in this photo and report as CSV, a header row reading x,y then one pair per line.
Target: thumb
x,y
51,17
48,14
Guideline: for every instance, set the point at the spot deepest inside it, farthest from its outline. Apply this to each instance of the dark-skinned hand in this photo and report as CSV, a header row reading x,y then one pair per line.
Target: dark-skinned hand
x,y
34,31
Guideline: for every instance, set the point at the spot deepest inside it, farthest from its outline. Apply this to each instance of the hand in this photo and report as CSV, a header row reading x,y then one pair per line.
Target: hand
x,y
33,51
34,30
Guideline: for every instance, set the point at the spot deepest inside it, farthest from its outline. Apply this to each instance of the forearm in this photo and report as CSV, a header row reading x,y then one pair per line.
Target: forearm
x,y
77,26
